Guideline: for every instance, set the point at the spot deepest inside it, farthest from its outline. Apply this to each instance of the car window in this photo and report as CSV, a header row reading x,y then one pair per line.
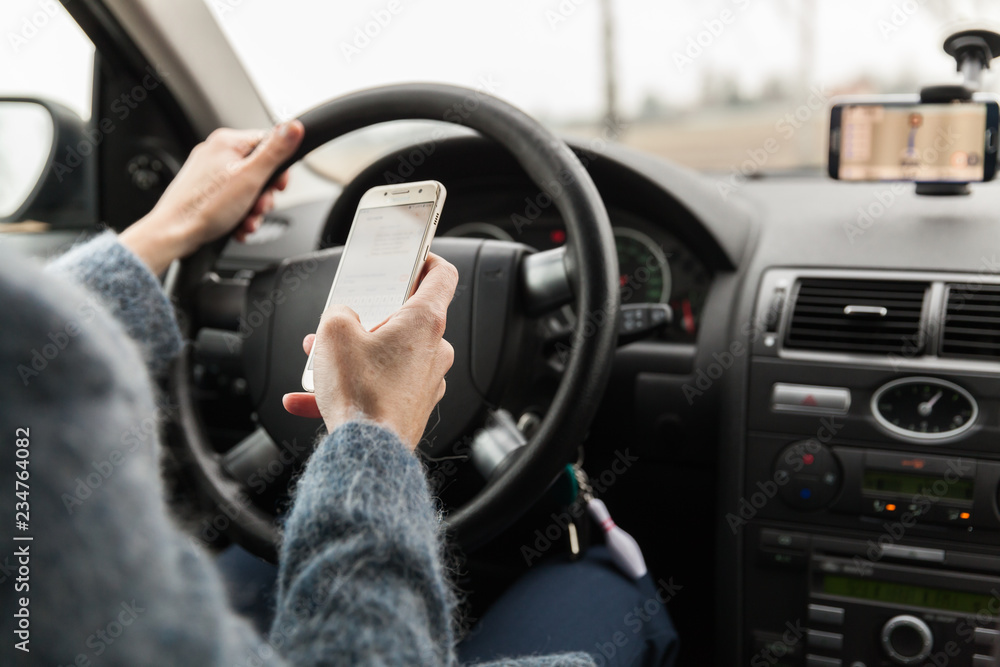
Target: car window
x,y
43,54
708,84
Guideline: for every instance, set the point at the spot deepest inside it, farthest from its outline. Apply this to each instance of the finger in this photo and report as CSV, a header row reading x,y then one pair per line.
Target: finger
x,y
307,343
263,205
249,225
446,357
282,182
437,287
244,230
275,149
246,141
380,324
340,324
301,404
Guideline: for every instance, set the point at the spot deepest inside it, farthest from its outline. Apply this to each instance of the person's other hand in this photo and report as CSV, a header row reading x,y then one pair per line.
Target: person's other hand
x,y
393,374
218,188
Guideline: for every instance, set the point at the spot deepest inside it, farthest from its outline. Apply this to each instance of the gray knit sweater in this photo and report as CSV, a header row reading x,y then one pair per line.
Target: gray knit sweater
x,y
107,578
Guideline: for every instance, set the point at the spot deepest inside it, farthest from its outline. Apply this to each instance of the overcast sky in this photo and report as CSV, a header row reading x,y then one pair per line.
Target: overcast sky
x,y
544,55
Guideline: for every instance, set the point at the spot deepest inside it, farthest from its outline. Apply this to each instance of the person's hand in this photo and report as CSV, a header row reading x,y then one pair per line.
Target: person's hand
x,y
393,374
218,188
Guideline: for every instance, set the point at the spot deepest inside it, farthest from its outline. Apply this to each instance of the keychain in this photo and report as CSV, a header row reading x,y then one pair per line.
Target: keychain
x,y
625,551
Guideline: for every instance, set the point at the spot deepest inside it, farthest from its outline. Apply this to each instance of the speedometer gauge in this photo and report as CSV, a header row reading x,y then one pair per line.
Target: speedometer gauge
x,y
644,274
922,408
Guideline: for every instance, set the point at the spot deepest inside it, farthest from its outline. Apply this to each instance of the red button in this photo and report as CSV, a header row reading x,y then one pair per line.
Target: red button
x,y
808,459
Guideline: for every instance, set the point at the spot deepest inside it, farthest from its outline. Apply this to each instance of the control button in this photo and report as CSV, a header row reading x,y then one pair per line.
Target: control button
x,y
953,516
639,320
788,560
828,641
772,318
426,250
907,640
774,650
820,613
913,553
784,540
810,399
980,660
986,636
822,661
807,475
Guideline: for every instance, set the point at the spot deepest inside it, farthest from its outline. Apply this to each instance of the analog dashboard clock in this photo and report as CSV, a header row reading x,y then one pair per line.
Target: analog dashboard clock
x,y
924,409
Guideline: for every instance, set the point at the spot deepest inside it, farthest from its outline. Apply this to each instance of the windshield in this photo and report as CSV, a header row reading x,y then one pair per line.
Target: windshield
x,y
709,85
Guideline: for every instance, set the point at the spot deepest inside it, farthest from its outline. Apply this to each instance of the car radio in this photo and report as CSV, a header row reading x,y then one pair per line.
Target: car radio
x,y
905,606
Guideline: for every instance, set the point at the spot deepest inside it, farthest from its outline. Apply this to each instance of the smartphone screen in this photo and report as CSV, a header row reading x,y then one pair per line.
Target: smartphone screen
x,y
379,259
912,142
385,251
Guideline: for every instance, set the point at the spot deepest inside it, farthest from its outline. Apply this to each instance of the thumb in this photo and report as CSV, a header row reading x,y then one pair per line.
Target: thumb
x,y
278,146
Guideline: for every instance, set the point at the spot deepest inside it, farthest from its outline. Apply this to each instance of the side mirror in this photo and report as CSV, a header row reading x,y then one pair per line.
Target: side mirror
x,y
44,174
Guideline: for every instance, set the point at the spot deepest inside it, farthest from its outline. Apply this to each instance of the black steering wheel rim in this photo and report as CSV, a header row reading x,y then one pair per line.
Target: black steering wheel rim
x,y
554,168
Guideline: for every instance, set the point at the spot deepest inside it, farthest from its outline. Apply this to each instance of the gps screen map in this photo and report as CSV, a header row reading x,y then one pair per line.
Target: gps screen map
x,y
913,142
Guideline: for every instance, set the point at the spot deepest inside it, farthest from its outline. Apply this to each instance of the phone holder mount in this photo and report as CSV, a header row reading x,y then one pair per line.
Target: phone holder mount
x,y
972,50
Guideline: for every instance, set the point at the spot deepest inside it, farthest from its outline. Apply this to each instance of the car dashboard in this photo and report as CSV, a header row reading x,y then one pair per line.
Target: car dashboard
x,y
816,429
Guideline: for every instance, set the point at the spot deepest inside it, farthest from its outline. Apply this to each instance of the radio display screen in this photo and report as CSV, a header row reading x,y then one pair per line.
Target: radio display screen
x,y
906,594
884,481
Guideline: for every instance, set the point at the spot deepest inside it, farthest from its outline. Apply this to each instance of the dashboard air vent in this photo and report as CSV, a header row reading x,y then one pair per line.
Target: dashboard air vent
x,y
972,322
867,316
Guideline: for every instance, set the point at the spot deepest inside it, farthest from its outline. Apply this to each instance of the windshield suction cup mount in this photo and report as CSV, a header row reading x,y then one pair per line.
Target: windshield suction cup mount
x,y
972,50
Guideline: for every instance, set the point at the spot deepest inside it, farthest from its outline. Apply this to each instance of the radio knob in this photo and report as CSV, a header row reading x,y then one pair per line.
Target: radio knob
x,y
907,640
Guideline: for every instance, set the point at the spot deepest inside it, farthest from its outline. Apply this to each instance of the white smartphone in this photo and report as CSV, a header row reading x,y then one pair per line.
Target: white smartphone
x,y
385,251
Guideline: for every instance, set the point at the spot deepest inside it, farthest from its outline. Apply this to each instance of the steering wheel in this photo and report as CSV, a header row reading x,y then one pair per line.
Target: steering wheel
x,y
501,287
